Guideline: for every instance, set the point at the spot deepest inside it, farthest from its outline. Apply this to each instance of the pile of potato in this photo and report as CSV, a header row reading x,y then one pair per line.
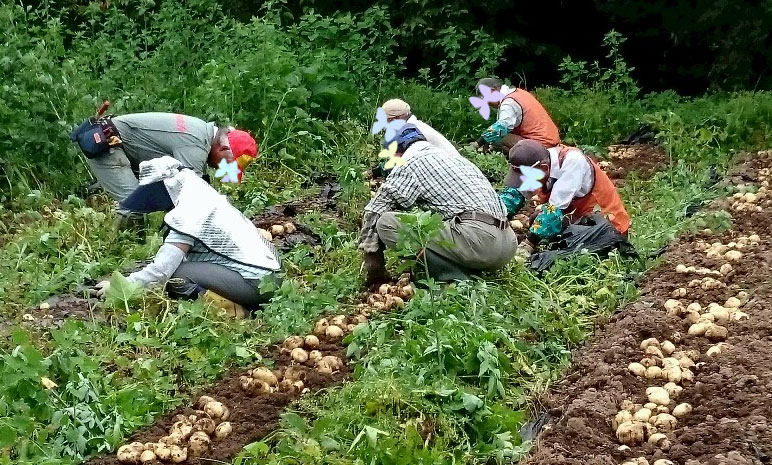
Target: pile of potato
x,y
661,361
305,350
623,152
709,322
189,435
278,230
643,461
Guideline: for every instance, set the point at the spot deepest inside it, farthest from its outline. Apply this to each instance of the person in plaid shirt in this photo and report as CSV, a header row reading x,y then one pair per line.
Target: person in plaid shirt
x,y
476,235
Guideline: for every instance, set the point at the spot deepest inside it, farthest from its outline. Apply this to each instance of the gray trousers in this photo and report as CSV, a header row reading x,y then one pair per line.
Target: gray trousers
x,y
507,142
472,244
225,282
115,175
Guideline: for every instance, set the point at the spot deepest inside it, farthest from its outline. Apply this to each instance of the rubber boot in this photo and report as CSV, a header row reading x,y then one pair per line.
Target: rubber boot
x,y
442,269
229,307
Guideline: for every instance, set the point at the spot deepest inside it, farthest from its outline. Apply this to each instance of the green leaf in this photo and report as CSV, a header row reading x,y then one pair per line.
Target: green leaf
x,y
122,291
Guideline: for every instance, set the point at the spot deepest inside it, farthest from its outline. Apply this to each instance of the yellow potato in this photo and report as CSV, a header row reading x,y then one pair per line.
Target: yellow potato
x,y
299,355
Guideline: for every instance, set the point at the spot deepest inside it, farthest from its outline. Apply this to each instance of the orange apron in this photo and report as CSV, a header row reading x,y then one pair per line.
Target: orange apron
x,y
604,194
536,123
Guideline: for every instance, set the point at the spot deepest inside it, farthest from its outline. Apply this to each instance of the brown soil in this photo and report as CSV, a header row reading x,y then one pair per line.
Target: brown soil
x,y
731,392
644,159
61,308
252,416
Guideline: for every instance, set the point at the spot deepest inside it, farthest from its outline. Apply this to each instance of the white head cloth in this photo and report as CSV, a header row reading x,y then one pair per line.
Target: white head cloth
x,y
206,215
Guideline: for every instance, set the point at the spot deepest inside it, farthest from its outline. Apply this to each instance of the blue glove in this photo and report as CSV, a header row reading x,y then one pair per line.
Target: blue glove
x,y
513,199
495,132
548,223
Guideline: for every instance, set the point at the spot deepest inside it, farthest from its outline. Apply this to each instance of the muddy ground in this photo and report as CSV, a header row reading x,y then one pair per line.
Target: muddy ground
x,y
644,159
731,392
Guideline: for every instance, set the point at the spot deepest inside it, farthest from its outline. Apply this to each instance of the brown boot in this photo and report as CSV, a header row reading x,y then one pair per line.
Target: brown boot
x,y
226,306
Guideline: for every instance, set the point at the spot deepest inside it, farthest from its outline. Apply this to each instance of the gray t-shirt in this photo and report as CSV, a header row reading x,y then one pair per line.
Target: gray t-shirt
x,y
151,135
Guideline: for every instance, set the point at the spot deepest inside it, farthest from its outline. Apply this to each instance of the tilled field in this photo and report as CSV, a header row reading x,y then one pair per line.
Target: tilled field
x,y
246,405
702,331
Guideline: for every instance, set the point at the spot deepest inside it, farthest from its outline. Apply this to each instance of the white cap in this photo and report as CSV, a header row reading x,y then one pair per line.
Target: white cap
x,y
395,108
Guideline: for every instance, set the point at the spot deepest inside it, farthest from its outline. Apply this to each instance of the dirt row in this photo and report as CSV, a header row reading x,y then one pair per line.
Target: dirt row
x,y
730,391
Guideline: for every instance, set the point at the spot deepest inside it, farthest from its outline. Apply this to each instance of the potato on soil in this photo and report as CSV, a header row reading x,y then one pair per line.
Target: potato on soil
x,y
654,350
652,341
699,329
299,355
628,405
217,410
667,347
294,373
623,416
659,440
398,302
198,444
338,320
649,361
128,454
314,356
631,433
277,230
172,439
665,422
293,342
335,362
147,456
311,342
717,349
733,302
203,400
265,375
320,328
334,332
681,410
384,289
223,430
289,228
323,367
677,293
720,315
716,333
673,390
653,372
637,369
406,292
183,428
642,415
739,316
691,316
163,452
179,454
207,425
658,395
266,235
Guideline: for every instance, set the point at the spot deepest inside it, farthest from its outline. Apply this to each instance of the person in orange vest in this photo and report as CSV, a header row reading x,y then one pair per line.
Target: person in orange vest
x,y
573,187
520,116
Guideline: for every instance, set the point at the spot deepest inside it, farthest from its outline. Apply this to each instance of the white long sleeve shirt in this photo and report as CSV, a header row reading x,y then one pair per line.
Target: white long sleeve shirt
x,y
574,179
433,136
510,112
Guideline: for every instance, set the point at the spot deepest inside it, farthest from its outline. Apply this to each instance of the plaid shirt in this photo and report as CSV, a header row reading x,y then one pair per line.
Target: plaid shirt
x,y
436,181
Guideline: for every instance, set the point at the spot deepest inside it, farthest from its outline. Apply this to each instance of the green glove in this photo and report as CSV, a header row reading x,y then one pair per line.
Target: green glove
x,y
495,132
513,199
548,223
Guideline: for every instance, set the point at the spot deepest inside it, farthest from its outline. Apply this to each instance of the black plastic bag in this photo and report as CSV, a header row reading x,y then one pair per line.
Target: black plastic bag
x,y
592,233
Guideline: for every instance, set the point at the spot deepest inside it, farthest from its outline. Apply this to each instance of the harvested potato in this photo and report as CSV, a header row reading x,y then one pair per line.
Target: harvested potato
x,y
631,433
658,395
294,373
293,342
642,415
184,428
726,268
733,255
311,341
677,293
289,228
265,375
623,416
733,302
207,425
637,369
680,268
653,372
339,320
217,410
649,361
670,305
681,410
406,292
687,375
277,230
686,362
323,367
673,389
661,409
179,454
314,356
650,405
654,350
716,333
320,328
720,315
739,316
147,456
628,405
665,422
266,235
334,332
335,362
658,440
667,347
198,443
128,454
694,306
203,400
652,341
398,302
691,316
299,355
699,329
172,439
163,452
223,430
673,374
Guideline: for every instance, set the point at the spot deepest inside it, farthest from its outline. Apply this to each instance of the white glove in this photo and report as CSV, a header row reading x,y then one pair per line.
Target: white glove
x,y
525,249
101,288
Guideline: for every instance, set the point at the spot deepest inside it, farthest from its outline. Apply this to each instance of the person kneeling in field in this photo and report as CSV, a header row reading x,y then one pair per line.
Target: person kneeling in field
x,y
574,187
114,147
476,235
212,249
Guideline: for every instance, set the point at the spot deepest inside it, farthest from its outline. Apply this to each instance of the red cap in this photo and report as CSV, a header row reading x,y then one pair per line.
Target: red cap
x,y
242,144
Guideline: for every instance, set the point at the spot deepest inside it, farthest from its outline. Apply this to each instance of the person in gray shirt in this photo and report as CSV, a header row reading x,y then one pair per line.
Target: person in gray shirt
x,y
144,136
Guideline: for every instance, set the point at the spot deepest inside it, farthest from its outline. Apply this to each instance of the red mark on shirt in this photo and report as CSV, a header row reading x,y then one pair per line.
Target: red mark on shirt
x,y
181,123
